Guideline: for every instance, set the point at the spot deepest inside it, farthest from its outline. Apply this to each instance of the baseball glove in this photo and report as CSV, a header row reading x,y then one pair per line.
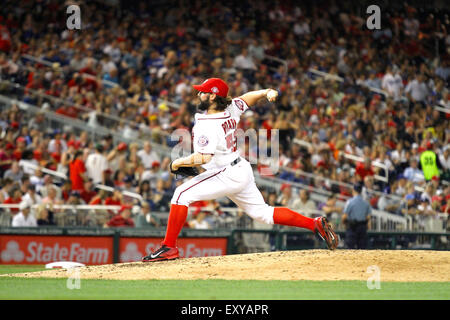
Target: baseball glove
x,y
184,171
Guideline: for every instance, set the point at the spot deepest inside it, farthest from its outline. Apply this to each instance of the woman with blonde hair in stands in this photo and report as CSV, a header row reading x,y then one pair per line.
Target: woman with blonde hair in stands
x,y
44,216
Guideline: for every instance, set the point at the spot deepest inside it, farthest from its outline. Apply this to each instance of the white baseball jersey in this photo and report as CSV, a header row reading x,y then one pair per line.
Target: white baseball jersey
x,y
215,134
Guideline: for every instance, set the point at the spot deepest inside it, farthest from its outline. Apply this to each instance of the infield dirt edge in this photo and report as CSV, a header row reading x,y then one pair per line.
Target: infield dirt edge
x,y
393,266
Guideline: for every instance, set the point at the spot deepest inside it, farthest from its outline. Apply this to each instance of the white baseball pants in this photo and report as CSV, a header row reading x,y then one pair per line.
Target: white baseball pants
x,y
235,182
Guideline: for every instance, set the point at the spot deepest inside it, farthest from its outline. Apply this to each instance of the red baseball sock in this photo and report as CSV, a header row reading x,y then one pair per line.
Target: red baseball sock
x,y
287,217
177,218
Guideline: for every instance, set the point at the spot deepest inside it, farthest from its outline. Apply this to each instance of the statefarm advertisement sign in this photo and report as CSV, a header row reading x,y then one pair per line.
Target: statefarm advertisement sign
x,y
133,249
37,249
20,249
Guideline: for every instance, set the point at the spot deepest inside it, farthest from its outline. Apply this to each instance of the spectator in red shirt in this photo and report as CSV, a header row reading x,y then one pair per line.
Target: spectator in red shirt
x,y
5,38
76,81
67,111
21,145
88,193
77,172
89,67
34,84
14,198
54,90
115,199
364,169
66,189
99,198
123,219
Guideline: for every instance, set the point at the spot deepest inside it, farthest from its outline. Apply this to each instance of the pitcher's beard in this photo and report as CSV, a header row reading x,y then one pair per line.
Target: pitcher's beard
x,y
203,105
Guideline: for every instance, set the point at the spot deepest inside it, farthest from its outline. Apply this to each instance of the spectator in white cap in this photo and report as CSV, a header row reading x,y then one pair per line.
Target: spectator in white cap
x,y
24,218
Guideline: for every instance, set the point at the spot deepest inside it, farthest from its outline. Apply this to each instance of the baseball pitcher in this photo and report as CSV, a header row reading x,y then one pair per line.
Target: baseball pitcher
x,y
227,174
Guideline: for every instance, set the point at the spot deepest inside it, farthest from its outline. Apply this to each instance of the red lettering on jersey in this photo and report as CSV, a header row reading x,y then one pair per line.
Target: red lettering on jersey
x,y
229,125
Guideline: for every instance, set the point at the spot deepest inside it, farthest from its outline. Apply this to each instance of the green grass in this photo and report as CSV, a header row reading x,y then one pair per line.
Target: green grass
x,y
4,269
22,288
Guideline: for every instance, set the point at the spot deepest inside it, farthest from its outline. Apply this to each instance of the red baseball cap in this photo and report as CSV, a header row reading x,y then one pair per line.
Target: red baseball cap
x,y
124,207
213,85
56,156
155,164
122,146
392,124
37,155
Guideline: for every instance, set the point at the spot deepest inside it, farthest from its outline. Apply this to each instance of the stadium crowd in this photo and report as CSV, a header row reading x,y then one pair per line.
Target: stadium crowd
x,y
131,71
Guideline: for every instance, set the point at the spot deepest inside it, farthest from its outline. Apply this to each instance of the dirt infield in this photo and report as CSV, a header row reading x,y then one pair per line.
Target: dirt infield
x,y
285,265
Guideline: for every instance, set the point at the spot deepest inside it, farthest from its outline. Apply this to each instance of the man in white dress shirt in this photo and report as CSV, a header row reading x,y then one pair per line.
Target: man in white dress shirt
x,y
24,218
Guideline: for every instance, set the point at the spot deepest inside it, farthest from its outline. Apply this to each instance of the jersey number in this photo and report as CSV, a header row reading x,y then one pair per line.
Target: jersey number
x,y
429,161
231,142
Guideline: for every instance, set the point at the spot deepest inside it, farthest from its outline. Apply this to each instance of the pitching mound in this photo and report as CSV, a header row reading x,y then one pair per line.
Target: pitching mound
x,y
286,265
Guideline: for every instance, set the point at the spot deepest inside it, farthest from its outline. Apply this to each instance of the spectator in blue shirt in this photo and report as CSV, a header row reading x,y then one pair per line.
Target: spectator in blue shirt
x,y
373,81
111,76
413,173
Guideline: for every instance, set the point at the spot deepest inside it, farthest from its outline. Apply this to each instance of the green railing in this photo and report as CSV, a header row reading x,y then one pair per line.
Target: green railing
x,y
377,240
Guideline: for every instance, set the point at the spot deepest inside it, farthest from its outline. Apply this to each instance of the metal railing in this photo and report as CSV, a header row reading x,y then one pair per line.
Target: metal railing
x,y
322,191
50,64
63,214
277,60
96,133
354,158
63,176
380,221
372,89
66,102
373,163
80,215
104,82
